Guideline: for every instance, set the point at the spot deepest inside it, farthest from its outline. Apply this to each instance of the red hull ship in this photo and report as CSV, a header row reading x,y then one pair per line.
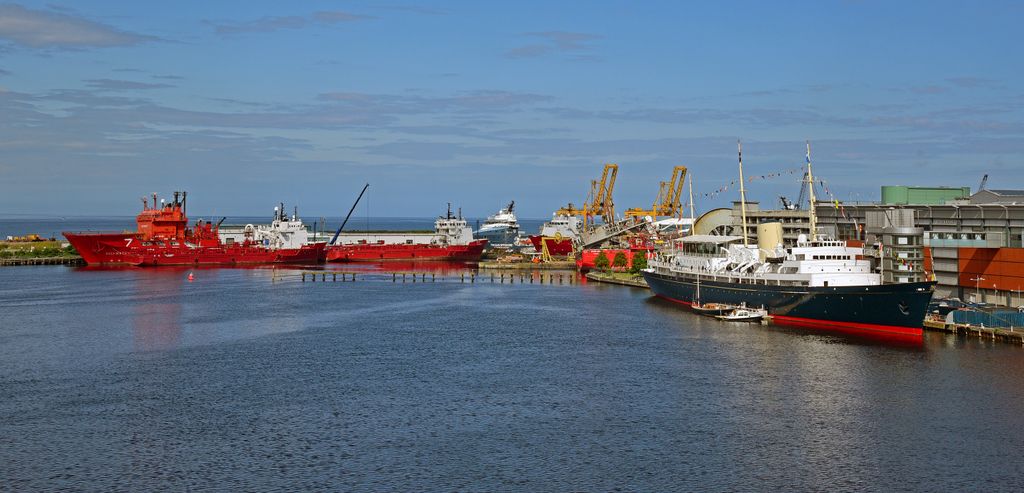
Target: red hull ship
x,y
164,238
557,247
374,252
452,240
559,235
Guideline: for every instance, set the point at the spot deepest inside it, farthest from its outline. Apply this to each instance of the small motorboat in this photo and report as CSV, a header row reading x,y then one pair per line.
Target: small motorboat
x,y
744,314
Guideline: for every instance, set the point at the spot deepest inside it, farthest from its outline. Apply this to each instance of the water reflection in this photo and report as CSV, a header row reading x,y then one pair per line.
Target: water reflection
x,y
156,321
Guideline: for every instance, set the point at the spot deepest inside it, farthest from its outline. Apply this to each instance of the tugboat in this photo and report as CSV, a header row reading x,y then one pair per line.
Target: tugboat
x,y
163,237
501,229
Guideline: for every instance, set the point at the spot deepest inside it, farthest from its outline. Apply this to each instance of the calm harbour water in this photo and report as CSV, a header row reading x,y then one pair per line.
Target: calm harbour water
x,y
137,380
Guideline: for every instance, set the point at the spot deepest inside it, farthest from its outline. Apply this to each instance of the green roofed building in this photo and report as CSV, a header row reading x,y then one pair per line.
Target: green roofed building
x,y
900,195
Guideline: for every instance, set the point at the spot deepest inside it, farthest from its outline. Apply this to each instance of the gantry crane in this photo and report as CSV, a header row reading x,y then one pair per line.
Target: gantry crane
x,y
667,203
603,205
599,201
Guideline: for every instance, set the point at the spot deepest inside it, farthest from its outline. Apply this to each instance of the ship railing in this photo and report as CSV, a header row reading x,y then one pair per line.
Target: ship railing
x,y
100,232
733,278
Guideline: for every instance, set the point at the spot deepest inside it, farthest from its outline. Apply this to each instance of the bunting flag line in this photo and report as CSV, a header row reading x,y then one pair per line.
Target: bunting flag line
x,y
751,178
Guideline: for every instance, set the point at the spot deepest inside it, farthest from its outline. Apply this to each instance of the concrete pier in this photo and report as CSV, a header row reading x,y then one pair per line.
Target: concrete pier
x,y
1010,335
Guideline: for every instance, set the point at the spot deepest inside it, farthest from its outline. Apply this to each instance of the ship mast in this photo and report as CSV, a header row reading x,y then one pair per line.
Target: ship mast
x,y
810,180
692,216
743,193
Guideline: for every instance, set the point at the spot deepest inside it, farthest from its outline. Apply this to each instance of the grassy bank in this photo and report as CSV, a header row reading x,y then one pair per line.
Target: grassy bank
x,y
624,278
35,249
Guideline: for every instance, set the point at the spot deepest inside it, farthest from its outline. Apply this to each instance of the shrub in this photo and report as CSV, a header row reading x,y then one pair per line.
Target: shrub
x,y
601,262
620,260
639,262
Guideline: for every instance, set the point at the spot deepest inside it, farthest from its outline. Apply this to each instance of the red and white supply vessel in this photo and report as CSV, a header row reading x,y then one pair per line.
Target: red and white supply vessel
x,y
163,237
452,239
559,235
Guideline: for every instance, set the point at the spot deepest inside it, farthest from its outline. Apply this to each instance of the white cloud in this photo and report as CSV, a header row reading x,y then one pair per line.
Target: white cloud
x,y
42,29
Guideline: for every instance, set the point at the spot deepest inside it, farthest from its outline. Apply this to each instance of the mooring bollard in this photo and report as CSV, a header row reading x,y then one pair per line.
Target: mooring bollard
x,y
303,277
334,277
394,276
463,277
472,278
432,279
353,277
403,278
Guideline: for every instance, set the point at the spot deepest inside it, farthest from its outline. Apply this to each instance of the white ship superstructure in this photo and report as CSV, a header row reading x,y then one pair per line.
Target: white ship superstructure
x,y
282,232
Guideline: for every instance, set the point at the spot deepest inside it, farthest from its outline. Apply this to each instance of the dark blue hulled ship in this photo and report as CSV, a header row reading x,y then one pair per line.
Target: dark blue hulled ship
x,y
820,284
824,284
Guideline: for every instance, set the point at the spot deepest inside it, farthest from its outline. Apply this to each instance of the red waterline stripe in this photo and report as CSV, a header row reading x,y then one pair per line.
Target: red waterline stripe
x,y
673,300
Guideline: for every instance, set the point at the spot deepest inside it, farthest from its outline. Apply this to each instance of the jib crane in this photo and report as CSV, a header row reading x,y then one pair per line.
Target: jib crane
x,y
599,202
666,204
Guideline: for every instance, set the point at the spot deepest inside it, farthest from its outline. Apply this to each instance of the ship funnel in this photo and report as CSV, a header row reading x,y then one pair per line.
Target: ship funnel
x,y
769,238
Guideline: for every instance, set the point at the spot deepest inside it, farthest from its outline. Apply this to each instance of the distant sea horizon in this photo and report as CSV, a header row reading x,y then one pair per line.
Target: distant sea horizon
x,y
51,225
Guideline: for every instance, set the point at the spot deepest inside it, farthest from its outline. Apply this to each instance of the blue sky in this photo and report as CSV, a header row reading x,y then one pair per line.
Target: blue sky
x,y
246,104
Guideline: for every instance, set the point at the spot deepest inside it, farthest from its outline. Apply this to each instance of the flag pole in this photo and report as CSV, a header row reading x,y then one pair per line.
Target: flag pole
x,y
743,193
810,179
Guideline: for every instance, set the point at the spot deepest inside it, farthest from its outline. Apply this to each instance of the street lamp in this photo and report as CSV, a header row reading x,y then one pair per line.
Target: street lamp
x,y
977,288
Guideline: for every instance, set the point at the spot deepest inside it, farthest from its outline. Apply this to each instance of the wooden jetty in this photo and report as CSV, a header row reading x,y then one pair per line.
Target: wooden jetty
x,y
471,277
42,261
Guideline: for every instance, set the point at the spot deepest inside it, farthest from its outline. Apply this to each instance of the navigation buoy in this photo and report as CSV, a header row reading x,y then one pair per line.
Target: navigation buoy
x,y
191,277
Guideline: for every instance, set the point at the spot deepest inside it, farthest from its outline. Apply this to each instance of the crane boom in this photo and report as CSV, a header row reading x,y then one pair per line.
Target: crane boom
x,y
668,201
603,203
343,223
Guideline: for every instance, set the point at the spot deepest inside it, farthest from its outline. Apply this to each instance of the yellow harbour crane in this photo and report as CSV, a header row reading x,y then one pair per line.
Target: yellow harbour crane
x,y
599,202
667,203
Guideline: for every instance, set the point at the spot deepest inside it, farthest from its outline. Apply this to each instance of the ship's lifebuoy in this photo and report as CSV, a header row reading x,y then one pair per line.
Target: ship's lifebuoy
x,y
558,236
